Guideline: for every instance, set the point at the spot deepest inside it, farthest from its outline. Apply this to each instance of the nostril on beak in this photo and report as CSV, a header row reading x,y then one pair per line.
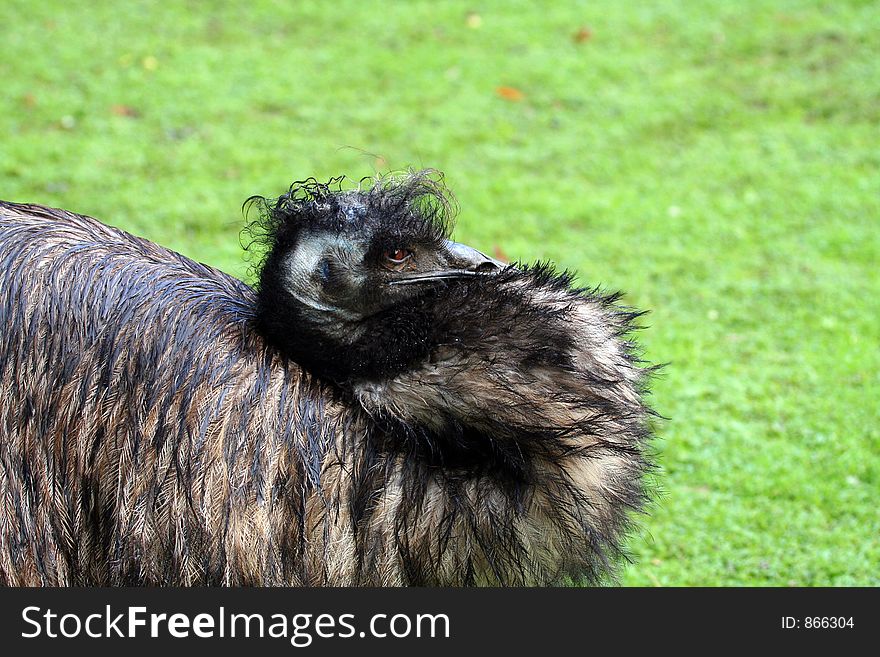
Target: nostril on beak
x,y
487,267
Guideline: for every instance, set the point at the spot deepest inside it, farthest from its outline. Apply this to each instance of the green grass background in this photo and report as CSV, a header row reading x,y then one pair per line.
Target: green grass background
x,y
718,161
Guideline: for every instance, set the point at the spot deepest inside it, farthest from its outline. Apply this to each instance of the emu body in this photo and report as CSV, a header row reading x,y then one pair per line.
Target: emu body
x,y
153,432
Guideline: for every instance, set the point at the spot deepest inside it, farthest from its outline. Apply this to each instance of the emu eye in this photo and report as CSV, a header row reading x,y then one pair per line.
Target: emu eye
x,y
396,259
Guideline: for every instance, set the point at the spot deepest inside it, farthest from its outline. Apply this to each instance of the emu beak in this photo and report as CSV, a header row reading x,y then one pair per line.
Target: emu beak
x,y
464,261
469,259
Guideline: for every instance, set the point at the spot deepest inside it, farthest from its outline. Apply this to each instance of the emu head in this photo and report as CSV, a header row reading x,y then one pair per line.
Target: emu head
x,y
351,278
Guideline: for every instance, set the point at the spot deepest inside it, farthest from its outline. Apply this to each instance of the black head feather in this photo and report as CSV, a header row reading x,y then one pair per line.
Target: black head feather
x,y
327,296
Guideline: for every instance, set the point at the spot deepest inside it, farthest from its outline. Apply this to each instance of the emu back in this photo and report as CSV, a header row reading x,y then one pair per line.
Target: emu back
x,y
150,435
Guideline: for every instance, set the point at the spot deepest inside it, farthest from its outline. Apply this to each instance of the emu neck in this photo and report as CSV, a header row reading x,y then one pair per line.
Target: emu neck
x,y
342,352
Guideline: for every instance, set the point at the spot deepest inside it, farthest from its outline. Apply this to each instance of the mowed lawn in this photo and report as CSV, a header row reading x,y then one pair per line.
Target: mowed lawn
x,y
720,162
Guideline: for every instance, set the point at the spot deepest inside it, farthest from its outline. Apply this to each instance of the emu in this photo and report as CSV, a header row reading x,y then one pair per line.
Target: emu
x,y
386,407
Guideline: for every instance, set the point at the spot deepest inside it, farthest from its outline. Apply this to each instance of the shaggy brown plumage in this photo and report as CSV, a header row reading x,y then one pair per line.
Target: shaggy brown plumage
x,y
153,432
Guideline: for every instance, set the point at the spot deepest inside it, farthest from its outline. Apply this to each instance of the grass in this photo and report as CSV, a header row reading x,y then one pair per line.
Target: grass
x,y
719,161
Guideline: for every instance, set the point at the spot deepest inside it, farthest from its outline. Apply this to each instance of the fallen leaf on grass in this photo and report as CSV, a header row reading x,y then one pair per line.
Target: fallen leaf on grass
x,y
125,110
510,93
499,254
583,34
